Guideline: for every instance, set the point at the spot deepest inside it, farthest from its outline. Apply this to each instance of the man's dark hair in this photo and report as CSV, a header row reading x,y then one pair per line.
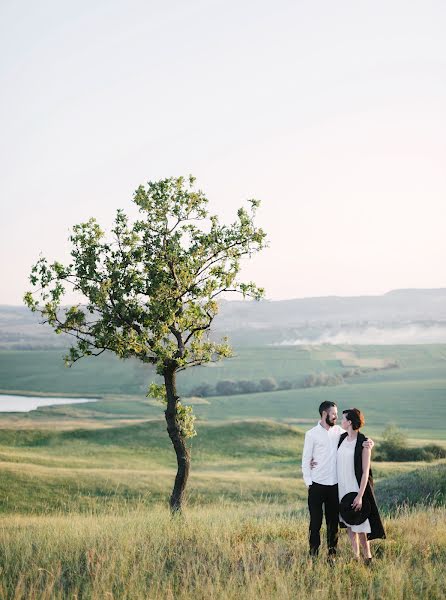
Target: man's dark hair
x,y
325,406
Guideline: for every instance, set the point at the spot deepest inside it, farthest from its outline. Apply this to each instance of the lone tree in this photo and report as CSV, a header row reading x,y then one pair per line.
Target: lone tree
x,y
151,291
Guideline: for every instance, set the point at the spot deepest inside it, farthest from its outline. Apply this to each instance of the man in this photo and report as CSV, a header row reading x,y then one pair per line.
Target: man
x,y
320,476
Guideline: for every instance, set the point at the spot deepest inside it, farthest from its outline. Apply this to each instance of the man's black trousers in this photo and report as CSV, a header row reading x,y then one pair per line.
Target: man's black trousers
x,y
326,495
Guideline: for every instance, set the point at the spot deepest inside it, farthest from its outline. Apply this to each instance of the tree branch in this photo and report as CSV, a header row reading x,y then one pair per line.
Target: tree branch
x,y
179,339
216,254
82,356
200,328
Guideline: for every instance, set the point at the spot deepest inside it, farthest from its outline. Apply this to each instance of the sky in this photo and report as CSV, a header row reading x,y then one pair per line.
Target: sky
x,y
333,114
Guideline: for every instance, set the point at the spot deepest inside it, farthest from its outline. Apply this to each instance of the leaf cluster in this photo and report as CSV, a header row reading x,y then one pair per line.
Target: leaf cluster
x,y
151,286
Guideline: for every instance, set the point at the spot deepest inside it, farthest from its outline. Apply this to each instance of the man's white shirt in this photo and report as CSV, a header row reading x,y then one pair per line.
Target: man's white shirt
x,y
321,445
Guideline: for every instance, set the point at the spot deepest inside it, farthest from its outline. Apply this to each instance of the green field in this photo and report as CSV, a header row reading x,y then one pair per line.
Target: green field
x,y
411,396
83,515
44,371
84,488
51,470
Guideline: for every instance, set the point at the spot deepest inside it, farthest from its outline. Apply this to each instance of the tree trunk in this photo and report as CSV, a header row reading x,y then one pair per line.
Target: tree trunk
x,y
183,455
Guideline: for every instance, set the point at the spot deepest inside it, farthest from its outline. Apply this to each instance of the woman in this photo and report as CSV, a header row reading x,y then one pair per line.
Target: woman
x,y
355,475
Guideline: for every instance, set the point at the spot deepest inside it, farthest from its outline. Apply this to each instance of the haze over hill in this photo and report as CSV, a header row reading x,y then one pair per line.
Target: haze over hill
x,y
408,316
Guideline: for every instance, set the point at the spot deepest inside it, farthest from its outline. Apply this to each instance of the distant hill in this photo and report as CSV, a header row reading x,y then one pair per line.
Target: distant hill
x,y
397,317
400,316
395,306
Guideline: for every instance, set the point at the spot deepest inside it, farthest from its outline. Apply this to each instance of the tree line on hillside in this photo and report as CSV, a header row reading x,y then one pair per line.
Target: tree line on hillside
x,y
231,387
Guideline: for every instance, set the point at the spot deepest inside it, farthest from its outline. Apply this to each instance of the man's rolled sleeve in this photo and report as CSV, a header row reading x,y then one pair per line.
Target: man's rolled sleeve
x,y
307,455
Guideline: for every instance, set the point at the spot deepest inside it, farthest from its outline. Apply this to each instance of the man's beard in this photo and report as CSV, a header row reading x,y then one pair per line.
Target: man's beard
x,y
329,422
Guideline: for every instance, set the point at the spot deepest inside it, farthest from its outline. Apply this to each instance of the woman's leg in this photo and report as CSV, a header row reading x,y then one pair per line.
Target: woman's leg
x,y
354,542
365,545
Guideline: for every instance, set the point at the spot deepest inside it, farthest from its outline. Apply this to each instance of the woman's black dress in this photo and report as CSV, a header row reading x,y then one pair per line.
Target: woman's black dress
x,y
376,526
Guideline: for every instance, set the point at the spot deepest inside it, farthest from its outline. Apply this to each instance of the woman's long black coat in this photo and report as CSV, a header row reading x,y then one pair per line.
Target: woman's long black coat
x,y
376,526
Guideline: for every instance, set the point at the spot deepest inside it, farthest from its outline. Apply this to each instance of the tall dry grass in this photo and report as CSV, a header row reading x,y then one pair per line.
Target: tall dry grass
x,y
221,551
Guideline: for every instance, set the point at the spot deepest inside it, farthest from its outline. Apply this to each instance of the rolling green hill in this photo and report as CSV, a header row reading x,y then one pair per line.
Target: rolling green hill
x,y
84,488
44,371
103,469
412,395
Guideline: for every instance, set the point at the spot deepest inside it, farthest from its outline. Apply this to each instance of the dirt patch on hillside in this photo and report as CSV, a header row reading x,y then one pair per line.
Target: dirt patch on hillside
x,y
349,359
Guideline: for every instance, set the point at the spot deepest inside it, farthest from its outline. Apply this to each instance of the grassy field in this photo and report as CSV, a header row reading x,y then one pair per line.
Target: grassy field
x,y
92,469
411,396
44,370
254,552
83,515
84,488
417,409
45,471
414,406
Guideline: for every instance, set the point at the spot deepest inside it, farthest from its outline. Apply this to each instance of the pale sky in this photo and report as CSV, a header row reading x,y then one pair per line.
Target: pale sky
x,y
333,113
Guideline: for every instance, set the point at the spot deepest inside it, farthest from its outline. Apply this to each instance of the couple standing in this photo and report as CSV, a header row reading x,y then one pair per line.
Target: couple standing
x,y
336,470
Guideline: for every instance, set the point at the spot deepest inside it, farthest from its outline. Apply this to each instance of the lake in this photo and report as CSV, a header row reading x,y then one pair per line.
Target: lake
x,y
27,403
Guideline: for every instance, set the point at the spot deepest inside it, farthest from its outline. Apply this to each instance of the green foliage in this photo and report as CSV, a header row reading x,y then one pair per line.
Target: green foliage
x,y
186,420
322,379
152,286
394,447
268,384
226,387
247,387
184,413
202,391
424,486
157,391
229,387
435,450
394,437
